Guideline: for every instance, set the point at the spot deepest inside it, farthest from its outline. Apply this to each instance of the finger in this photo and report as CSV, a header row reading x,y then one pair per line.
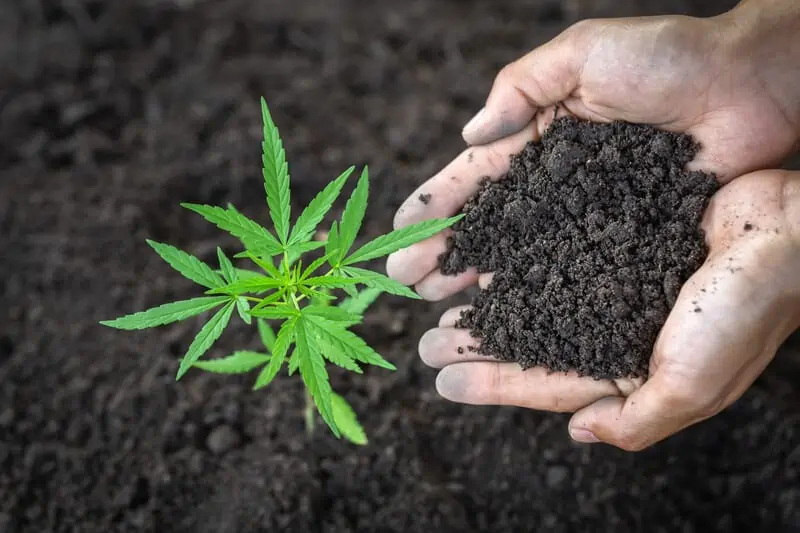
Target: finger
x,y
436,286
452,315
544,77
440,347
485,280
410,265
649,415
496,383
446,193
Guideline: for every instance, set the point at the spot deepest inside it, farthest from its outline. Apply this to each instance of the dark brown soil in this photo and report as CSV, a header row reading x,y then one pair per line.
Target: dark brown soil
x,y
111,113
590,237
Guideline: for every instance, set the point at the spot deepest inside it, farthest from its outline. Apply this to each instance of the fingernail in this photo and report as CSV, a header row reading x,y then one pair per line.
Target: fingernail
x,y
583,435
475,122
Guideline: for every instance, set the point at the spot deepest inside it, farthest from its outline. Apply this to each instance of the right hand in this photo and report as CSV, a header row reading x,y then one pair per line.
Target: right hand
x,y
678,73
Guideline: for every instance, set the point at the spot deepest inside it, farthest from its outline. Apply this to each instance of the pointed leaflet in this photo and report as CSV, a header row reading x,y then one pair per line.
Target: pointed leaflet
x,y
237,363
276,175
317,209
334,353
226,267
314,266
207,336
336,314
243,308
254,284
188,265
331,282
276,312
347,342
346,420
360,302
167,313
252,235
282,344
353,216
379,281
299,249
294,361
266,334
312,370
332,244
399,239
266,264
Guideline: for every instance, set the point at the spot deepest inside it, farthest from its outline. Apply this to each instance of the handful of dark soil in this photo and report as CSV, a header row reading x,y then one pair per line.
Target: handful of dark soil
x,y
590,235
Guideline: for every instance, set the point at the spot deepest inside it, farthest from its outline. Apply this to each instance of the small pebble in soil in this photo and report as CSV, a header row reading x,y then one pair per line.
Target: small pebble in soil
x,y
222,439
556,475
590,236
425,198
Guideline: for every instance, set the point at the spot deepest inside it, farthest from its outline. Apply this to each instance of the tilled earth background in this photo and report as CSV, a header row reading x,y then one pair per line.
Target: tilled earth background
x,y
111,113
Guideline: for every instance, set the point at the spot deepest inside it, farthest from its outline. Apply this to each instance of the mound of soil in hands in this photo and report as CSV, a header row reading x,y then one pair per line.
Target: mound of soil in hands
x,y
590,235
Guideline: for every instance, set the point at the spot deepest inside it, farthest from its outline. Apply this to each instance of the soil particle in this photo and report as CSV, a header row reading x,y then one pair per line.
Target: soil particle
x,y
425,198
748,226
222,439
556,475
590,235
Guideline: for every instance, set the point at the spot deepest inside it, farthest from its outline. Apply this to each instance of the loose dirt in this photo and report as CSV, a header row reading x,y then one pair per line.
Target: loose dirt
x,y
590,237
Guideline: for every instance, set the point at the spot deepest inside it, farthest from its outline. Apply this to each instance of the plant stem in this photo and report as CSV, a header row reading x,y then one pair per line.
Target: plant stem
x,y
309,414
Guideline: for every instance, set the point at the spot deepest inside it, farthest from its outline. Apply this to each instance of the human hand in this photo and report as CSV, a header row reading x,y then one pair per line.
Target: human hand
x,y
748,296
706,77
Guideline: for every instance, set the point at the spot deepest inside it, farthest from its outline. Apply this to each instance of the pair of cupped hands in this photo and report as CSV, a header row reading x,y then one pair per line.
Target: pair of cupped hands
x,y
680,74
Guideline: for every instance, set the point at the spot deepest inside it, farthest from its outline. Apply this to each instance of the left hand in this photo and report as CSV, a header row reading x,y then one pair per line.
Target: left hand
x,y
748,292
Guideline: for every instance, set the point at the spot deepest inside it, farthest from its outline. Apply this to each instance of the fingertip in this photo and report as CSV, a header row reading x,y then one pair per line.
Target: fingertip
x,y
452,383
603,421
403,266
437,286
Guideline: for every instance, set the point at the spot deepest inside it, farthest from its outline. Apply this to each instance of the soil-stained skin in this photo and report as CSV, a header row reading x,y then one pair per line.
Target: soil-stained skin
x,y
590,237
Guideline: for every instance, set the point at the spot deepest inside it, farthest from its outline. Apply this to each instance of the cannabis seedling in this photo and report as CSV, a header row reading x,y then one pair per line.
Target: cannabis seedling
x,y
298,296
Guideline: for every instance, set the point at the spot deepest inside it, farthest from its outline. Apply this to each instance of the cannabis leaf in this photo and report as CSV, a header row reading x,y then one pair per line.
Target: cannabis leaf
x,y
399,239
312,370
252,235
207,336
313,214
375,280
188,265
337,314
266,334
166,313
346,342
253,284
279,350
237,363
276,175
226,267
346,420
360,302
352,217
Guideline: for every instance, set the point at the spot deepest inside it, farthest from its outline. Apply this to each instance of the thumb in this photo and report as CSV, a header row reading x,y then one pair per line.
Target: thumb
x,y
644,418
544,77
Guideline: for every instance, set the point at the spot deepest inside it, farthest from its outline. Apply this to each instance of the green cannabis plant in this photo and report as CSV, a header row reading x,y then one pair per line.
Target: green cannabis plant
x,y
301,299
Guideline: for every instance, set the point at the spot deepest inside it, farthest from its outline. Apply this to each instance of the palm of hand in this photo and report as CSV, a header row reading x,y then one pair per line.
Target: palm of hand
x,y
725,327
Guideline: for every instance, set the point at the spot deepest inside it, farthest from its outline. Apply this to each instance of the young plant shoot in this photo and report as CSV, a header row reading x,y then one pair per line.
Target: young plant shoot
x,y
299,298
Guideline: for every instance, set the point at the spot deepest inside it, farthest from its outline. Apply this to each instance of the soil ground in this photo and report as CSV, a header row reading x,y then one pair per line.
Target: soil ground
x,y
113,112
